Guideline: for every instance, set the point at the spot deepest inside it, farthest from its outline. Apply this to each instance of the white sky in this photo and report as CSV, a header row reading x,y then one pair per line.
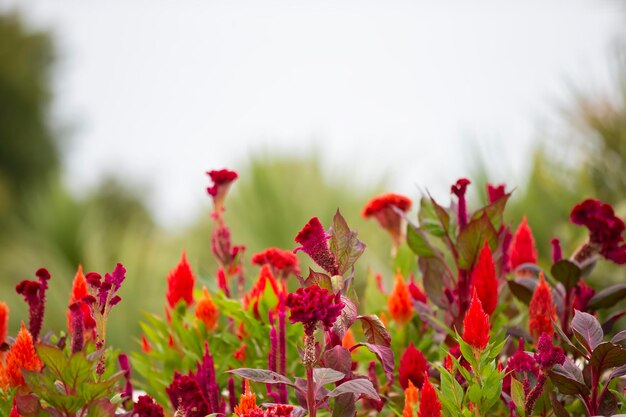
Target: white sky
x,y
161,91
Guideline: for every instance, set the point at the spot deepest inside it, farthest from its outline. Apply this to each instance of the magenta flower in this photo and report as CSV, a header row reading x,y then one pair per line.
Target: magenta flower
x,y
185,395
495,192
314,241
146,407
459,189
313,304
547,354
34,293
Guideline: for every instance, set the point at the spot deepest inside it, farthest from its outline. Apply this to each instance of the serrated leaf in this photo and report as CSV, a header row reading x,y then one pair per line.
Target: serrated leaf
x,y
471,240
608,297
587,330
436,277
359,386
374,330
344,244
261,375
607,355
567,273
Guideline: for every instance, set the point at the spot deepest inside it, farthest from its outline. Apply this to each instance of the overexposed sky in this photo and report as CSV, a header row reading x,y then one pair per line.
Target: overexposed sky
x,y
160,91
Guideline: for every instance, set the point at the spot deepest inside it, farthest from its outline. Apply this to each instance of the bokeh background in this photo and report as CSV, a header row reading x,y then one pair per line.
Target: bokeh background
x,y
111,112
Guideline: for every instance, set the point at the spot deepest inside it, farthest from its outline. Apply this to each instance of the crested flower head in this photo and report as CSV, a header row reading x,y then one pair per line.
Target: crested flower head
x,y
247,401
206,310
147,407
541,310
34,293
399,301
185,395
413,367
222,179
495,192
605,228
410,400
4,322
21,355
313,304
266,280
283,263
383,208
484,280
519,362
430,406
476,324
417,294
523,248
79,291
547,354
314,241
180,282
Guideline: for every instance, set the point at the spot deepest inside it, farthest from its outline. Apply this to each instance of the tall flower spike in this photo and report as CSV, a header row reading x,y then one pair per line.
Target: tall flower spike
x,y
206,310
410,400
383,209
430,406
523,248
413,367
557,253
4,322
476,330
34,293
459,189
314,241
247,401
206,379
484,280
78,336
127,392
79,291
399,301
222,179
541,310
180,282
21,355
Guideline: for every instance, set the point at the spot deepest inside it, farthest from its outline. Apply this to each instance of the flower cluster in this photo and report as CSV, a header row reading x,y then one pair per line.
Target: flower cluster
x,y
314,241
222,179
21,356
313,304
399,302
541,310
413,367
386,210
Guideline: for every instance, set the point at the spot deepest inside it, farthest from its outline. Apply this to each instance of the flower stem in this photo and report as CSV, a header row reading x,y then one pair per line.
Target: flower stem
x,y
310,391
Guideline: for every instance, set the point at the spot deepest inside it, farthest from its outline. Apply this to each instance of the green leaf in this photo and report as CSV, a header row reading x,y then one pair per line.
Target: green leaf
x,y
374,330
587,330
494,211
344,244
567,273
608,297
518,396
475,393
405,261
78,370
359,386
323,376
53,357
428,219
436,277
522,288
472,238
418,242
607,355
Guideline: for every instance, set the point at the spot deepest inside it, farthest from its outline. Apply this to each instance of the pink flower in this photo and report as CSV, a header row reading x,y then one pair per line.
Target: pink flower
x,y
547,354
147,407
185,394
314,241
313,304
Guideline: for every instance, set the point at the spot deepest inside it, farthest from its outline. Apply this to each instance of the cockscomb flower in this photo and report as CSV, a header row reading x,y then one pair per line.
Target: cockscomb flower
x,y
557,253
222,179
77,320
484,280
417,294
523,250
495,192
79,291
147,407
180,283
185,395
278,410
413,367
476,330
383,208
430,406
541,310
605,231
313,304
459,189
247,401
240,354
206,310
520,362
21,355
266,280
399,301
582,295
314,241
145,344
282,262
4,322
34,293
207,381
547,354
411,394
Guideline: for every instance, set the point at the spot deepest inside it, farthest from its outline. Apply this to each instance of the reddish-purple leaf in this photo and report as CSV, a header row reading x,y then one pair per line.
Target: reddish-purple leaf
x,y
375,331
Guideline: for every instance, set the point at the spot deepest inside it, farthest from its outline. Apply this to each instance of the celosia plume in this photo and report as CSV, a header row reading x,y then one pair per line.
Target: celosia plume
x,y
34,293
557,253
79,291
21,355
180,283
523,248
495,192
206,310
383,208
282,262
413,367
4,322
484,280
399,301
410,400
145,345
314,241
247,401
541,310
313,304
147,407
186,396
416,292
430,406
476,330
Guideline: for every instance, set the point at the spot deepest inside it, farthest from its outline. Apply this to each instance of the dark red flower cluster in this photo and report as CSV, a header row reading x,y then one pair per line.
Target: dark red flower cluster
x,y
383,208
547,354
279,410
282,262
605,228
413,367
147,407
582,295
417,294
221,183
185,395
34,293
521,362
314,241
314,304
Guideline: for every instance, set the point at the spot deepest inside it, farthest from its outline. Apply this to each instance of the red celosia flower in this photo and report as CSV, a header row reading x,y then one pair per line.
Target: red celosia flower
x,y
185,395
484,280
240,354
605,228
459,189
383,208
21,355
314,304
4,322
256,293
399,301
547,354
222,179
541,310
416,292
79,291
495,192
34,293
145,345
247,401
476,324
314,241
206,310
430,406
279,410
14,412
413,367
520,362
147,407
410,400
180,282
523,248
283,262
582,295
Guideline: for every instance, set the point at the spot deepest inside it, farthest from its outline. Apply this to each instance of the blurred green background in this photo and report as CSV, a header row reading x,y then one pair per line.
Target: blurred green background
x,y
43,224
